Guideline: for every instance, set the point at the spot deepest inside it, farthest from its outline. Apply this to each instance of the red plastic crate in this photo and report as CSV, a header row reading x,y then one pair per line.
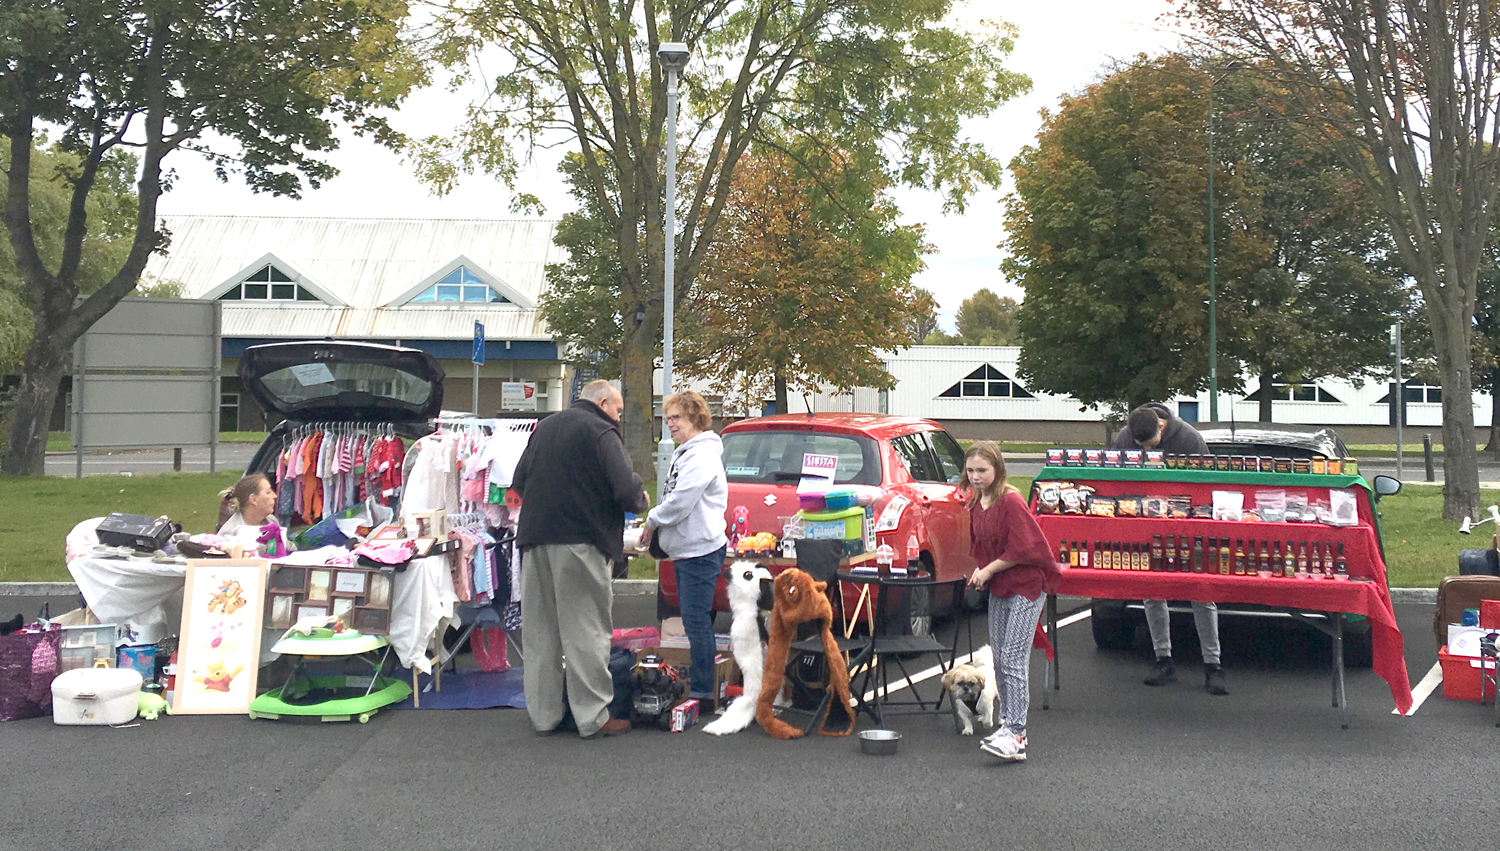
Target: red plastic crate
x,y
1461,676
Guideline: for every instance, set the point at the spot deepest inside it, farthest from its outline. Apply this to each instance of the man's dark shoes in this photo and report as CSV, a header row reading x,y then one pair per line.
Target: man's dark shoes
x,y
612,727
1162,672
1213,680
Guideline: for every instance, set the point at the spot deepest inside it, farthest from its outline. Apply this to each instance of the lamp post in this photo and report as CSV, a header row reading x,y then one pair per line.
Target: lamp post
x,y
1213,256
673,56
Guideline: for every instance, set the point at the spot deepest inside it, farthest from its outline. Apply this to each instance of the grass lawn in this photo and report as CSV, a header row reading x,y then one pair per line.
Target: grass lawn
x,y
1420,546
37,514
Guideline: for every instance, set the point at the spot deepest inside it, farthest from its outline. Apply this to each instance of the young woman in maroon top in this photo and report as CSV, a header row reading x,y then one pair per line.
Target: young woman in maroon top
x,y
1016,565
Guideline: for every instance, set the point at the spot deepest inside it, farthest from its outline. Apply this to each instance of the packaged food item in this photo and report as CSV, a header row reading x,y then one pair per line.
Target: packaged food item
x,y
1271,505
1283,465
1155,459
1055,457
1229,505
1204,512
1073,457
1049,498
1154,506
1297,510
1093,457
1319,465
1073,499
1180,507
1101,506
1128,506
1112,458
1132,457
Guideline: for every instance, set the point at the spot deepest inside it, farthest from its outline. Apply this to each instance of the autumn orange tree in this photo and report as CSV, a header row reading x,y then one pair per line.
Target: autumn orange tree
x,y
808,281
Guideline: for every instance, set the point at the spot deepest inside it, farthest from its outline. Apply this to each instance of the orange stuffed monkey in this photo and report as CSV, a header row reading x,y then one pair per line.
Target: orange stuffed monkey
x,y
799,599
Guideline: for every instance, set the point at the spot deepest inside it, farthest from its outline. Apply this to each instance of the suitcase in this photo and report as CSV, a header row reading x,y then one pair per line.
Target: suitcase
x,y
136,531
1457,593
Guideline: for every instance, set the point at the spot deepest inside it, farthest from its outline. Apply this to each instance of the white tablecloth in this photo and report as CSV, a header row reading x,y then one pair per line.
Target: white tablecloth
x,y
148,597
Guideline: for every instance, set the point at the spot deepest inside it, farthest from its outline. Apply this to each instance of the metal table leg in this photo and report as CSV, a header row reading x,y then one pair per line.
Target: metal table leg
x,y
1051,680
1331,625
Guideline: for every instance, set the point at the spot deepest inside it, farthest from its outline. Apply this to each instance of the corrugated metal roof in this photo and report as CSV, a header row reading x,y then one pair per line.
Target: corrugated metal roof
x,y
366,263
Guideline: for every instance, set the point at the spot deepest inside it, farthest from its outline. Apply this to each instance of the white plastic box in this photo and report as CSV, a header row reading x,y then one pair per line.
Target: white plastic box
x,y
95,696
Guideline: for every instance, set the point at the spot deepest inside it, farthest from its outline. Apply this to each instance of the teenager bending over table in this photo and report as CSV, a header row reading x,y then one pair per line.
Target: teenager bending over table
x,y
1152,426
1017,566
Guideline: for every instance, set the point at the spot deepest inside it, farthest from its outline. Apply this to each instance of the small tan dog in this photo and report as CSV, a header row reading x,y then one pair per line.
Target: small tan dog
x,y
974,694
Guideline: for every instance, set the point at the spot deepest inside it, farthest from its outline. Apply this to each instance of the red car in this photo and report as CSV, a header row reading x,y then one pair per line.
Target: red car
x,y
915,463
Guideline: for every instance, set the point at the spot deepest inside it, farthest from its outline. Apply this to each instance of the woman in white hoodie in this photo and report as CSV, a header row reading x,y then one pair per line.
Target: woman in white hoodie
x,y
688,523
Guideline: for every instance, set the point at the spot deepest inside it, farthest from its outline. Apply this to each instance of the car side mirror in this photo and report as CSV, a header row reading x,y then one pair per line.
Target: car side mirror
x,y
1386,486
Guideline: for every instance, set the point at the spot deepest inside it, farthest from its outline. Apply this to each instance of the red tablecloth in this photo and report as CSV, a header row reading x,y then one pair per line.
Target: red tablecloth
x,y
1370,599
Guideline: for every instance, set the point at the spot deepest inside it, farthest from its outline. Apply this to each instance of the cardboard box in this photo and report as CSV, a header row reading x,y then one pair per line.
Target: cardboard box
x,y
680,658
1461,676
684,716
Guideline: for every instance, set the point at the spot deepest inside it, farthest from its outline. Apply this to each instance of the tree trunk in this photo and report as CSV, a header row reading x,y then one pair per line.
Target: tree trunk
x,y
1494,447
1267,377
780,383
46,359
637,386
1460,458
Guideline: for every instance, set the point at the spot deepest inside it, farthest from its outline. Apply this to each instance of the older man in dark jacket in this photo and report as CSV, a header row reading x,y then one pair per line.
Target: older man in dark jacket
x,y
1154,426
576,483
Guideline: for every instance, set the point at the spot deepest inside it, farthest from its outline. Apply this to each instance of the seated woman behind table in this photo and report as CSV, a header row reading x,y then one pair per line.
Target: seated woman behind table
x,y
253,501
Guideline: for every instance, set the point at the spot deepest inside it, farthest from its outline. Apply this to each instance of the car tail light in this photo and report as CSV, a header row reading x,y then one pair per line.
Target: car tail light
x,y
890,515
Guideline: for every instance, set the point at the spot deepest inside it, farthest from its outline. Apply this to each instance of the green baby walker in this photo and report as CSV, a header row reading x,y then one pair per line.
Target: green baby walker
x,y
332,697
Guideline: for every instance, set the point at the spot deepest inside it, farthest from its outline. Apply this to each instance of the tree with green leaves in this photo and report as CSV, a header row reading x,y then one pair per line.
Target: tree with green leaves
x,y
1408,96
254,85
1107,234
986,319
886,83
801,290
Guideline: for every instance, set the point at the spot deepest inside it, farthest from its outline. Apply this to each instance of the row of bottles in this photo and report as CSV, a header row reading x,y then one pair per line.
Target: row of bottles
x,y
1323,560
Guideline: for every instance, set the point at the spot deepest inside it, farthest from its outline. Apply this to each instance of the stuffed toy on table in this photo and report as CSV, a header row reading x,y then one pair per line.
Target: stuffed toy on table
x,y
799,599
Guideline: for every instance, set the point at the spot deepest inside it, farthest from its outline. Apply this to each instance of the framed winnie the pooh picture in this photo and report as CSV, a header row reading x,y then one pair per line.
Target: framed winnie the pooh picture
x,y
218,649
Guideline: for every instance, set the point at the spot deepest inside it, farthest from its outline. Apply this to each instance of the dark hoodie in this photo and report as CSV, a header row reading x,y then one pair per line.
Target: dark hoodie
x,y
1178,439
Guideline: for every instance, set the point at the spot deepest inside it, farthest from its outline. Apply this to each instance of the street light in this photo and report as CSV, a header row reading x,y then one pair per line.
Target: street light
x,y
1213,257
673,56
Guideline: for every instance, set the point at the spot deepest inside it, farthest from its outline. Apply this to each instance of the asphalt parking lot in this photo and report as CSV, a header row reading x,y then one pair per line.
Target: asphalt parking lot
x,y
1113,764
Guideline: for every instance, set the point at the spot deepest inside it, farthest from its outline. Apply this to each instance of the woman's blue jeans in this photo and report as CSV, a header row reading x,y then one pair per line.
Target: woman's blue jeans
x,y
697,577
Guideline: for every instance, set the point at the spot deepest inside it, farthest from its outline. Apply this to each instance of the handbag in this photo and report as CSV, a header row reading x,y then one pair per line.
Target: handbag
x,y
28,665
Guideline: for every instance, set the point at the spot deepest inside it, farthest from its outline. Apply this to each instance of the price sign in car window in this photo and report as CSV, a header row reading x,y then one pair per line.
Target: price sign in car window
x,y
817,473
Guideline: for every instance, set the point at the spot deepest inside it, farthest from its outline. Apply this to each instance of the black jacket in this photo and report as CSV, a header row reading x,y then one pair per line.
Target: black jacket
x,y
576,482
1178,439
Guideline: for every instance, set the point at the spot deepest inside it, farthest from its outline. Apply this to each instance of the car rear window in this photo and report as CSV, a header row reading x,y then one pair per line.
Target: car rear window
x,y
775,456
319,380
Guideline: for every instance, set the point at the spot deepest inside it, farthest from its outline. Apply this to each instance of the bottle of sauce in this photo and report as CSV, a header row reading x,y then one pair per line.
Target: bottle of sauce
x,y
1062,553
1340,567
1239,557
1302,572
1156,554
1224,557
1171,553
1083,555
1072,553
1325,551
1198,554
1288,562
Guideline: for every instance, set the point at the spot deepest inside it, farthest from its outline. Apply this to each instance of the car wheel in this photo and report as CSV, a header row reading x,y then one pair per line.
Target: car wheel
x,y
1358,651
1114,628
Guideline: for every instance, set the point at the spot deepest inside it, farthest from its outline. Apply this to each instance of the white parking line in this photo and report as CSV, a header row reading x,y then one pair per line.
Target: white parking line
x,y
967,658
1424,689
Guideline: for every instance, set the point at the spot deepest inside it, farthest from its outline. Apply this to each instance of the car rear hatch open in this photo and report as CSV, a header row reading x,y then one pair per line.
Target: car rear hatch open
x,y
336,380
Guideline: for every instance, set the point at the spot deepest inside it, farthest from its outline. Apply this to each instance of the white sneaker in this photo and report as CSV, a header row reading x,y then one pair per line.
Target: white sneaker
x,y
1005,745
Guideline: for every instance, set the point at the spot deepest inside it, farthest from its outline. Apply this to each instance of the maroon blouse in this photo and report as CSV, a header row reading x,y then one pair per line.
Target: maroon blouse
x,y
1008,531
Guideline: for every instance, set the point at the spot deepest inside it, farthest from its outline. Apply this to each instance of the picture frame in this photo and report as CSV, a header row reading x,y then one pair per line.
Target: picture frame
x,y
310,610
379,591
282,608
223,609
372,621
288,579
350,582
343,609
318,584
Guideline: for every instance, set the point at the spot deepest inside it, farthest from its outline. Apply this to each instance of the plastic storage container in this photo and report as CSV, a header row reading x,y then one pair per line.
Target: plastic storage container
x,y
95,696
1460,676
843,525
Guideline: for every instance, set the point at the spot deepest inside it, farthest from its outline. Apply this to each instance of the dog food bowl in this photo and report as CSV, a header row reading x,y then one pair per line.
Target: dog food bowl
x,y
879,742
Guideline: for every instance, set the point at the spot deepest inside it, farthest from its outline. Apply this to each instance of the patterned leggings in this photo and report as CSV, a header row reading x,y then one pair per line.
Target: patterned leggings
x,y
1012,626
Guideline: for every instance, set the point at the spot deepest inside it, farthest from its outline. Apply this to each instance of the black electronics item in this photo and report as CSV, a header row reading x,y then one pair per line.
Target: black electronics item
x,y
136,531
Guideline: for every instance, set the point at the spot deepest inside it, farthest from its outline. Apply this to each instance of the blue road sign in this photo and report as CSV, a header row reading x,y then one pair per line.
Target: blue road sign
x,y
479,343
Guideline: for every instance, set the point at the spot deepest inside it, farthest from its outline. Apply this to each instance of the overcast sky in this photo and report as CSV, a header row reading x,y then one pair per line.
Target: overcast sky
x,y
1063,46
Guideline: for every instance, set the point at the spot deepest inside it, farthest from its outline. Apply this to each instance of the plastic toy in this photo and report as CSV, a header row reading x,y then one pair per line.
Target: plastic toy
x,y
335,697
